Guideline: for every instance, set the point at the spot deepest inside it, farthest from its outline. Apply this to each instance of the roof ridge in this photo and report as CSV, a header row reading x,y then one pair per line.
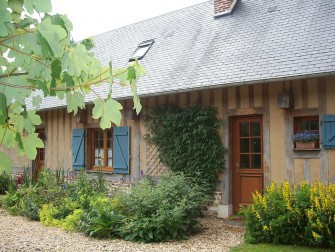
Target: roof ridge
x,y
144,20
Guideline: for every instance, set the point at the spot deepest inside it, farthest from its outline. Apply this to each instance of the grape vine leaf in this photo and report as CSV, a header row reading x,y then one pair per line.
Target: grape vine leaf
x,y
108,112
30,144
74,101
53,34
5,163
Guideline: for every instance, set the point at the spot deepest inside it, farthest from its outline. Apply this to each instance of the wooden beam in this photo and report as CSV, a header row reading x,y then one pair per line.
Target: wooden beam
x,y
324,165
137,150
289,162
304,93
266,136
251,96
307,171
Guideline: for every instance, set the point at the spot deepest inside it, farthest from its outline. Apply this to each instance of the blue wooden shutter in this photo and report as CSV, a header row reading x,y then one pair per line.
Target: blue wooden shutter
x,y
328,131
78,149
121,150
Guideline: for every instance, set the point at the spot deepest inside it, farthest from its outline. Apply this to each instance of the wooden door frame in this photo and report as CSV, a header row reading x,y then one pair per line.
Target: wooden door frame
x,y
232,174
35,163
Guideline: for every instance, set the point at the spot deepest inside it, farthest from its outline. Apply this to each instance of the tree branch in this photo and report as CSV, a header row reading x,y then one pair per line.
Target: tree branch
x,y
27,54
11,75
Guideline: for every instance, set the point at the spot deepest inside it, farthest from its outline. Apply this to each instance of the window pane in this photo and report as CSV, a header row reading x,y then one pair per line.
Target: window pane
x,y
101,139
141,51
96,162
244,145
109,138
244,158
96,152
244,129
314,125
110,162
256,161
304,125
255,128
255,145
109,134
110,153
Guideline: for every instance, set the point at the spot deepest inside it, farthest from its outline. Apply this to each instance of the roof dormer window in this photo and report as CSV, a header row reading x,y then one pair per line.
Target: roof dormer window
x,y
142,49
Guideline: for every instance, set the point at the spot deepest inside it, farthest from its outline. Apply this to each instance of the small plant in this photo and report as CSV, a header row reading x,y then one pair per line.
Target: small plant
x,y
306,136
4,182
102,224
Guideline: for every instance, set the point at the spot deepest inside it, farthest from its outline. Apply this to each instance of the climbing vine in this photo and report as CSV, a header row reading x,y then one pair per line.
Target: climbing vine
x,y
188,141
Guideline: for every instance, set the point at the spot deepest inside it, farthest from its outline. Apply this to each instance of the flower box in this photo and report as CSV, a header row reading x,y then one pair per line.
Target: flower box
x,y
305,145
306,140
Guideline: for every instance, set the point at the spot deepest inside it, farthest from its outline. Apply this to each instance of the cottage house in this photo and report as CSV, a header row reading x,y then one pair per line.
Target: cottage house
x,y
267,65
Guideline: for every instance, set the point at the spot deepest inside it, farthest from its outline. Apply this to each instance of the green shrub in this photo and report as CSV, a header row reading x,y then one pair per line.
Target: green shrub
x,y
164,211
303,215
11,202
188,141
4,182
101,223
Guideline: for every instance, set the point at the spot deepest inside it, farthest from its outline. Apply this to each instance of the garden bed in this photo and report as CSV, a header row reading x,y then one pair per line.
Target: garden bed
x,y
21,234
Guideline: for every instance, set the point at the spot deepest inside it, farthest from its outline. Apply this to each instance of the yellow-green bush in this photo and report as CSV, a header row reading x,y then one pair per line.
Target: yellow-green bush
x,y
47,214
49,211
71,221
302,215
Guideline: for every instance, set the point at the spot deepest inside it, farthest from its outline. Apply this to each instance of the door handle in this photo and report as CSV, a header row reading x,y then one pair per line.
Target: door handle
x,y
237,166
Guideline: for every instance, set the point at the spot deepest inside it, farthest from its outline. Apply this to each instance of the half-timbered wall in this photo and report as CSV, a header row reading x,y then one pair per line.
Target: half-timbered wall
x,y
281,162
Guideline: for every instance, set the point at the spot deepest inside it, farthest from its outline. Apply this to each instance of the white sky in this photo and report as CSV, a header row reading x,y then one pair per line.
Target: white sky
x,y
93,17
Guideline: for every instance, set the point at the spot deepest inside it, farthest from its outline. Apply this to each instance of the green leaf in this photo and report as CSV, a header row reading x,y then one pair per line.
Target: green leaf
x,y
5,17
43,87
67,79
46,50
43,5
36,101
76,60
5,163
131,74
63,21
15,6
18,121
108,112
19,142
7,137
56,68
74,101
53,34
29,41
29,5
31,120
88,43
3,109
136,98
30,144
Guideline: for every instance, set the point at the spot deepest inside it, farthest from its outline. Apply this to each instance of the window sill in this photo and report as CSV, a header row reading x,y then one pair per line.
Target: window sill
x,y
103,170
313,149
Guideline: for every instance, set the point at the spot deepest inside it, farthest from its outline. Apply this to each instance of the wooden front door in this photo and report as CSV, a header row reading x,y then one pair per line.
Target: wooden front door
x,y
247,160
40,157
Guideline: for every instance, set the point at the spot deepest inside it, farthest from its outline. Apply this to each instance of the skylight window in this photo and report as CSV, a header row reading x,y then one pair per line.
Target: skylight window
x,y
142,49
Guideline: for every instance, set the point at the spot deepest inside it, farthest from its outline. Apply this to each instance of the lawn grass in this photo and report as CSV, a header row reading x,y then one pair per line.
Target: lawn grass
x,y
274,248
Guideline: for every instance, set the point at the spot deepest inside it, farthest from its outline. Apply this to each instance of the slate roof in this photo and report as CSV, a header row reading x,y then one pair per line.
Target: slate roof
x,y
194,50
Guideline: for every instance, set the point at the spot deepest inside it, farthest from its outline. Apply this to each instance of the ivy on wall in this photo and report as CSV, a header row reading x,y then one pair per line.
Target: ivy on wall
x,y
188,141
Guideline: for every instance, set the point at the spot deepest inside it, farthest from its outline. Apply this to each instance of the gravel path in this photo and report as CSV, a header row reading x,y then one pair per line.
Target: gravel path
x,y
20,234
